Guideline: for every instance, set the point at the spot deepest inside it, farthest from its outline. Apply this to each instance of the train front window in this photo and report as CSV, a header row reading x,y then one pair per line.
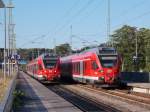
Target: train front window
x,y
50,63
108,61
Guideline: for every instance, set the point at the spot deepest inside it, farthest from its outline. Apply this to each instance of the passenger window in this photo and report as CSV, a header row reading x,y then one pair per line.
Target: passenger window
x,y
94,65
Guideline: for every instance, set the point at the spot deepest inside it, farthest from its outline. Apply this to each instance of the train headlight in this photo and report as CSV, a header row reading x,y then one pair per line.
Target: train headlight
x,y
101,78
109,71
95,73
50,71
101,71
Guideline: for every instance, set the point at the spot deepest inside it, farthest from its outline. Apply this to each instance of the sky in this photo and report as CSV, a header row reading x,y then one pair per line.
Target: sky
x,y
46,23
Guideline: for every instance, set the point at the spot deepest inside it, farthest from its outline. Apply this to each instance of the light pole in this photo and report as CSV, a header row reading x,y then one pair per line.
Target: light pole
x,y
136,49
38,48
2,5
108,21
85,45
11,38
71,39
5,21
54,40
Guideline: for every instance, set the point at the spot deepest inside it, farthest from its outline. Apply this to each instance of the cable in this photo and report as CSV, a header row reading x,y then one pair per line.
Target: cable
x,y
33,40
92,11
74,16
135,18
132,19
63,17
125,12
75,4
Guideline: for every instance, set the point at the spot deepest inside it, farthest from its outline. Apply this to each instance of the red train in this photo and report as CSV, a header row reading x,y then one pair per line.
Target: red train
x,y
45,67
96,65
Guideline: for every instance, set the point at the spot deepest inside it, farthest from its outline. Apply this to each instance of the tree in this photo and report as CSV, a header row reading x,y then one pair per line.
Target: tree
x,y
144,35
124,40
63,49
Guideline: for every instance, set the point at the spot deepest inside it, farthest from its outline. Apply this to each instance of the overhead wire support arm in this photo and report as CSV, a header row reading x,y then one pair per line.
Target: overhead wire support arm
x,y
108,21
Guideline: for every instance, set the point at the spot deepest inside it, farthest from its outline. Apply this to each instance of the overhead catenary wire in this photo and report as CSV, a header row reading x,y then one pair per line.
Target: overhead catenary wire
x,y
98,4
134,18
30,41
67,13
130,20
62,18
68,22
129,10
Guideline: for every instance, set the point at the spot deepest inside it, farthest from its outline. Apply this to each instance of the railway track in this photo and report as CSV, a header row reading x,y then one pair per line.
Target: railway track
x,y
139,99
84,103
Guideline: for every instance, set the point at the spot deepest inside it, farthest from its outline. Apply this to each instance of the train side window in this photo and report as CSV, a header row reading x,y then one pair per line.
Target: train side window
x,y
78,67
75,67
94,65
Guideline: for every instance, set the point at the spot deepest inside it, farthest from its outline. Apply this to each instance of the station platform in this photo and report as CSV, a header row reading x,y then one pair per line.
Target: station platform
x,y
38,98
139,87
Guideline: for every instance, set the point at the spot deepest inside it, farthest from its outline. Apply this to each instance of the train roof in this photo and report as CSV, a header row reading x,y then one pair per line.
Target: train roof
x,y
44,56
102,51
98,50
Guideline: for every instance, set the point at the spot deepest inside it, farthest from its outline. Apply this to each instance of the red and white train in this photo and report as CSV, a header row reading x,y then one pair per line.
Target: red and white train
x,y
96,65
45,67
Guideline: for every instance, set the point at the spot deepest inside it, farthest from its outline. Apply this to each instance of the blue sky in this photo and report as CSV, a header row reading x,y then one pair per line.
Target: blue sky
x,y
49,19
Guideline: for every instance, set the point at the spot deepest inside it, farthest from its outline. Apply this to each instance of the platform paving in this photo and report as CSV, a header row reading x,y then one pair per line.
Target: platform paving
x,y
140,87
38,98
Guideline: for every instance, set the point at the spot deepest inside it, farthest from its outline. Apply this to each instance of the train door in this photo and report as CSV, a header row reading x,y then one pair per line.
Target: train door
x,y
81,70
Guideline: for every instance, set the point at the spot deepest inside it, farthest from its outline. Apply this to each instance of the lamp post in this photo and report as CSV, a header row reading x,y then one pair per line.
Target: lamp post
x,y
54,41
38,48
71,39
108,19
11,37
5,21
136,49
2,5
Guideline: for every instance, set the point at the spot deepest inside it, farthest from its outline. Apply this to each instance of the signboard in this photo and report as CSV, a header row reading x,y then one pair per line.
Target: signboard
x,y
22,62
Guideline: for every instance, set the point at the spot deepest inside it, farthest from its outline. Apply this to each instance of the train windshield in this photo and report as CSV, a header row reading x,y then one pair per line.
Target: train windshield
x,y
108,61
50,63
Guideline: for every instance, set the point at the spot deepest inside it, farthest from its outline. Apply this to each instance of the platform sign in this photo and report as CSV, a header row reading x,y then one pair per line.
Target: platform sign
x,y
22,62
135,60
14,57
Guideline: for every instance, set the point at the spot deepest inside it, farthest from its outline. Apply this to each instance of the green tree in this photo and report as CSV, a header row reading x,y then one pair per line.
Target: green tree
x,y
63,49
144,36
124,40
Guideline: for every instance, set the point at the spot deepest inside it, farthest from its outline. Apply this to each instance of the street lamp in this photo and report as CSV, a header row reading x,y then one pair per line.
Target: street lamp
x,y
136,48
38,48
2,5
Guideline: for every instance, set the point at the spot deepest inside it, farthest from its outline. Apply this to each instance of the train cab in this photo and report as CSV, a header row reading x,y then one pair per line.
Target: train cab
x,y
96,65
45,67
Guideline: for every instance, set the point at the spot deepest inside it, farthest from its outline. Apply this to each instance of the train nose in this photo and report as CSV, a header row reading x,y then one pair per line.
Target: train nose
x,y
109,78
50,71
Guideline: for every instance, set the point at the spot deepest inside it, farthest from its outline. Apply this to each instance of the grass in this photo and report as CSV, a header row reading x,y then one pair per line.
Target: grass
x,y
4,85
18,98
